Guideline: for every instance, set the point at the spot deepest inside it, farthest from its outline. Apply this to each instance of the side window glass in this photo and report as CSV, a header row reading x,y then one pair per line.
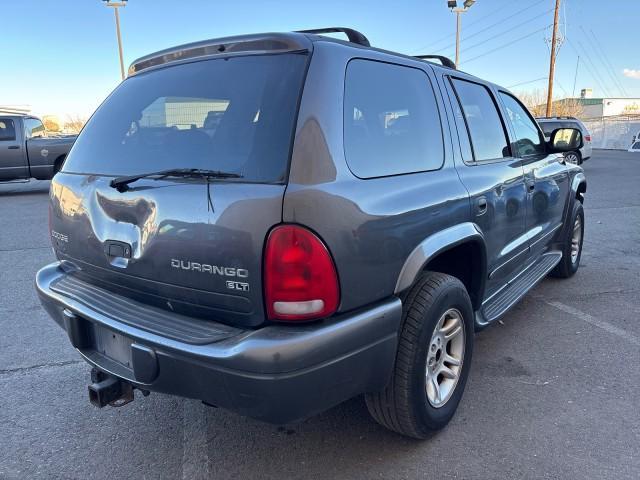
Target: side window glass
x,y
528,141
391,120
463,134
7,130
486,130
548,128
33,128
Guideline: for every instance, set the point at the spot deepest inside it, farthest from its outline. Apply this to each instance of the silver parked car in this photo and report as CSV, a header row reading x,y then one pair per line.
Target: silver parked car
x,y
549,124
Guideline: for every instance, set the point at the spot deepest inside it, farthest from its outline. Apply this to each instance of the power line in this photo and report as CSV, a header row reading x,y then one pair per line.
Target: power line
x,y
607,63
501,33
476,22
593,76
595,69
446,37
599,57
527,82
507,45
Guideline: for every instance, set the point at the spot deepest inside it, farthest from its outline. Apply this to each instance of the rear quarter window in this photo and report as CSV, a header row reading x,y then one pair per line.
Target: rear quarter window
x,y
7,130
391,120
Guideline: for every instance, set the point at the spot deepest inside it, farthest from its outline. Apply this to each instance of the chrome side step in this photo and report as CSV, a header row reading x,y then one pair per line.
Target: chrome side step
x,y
496,306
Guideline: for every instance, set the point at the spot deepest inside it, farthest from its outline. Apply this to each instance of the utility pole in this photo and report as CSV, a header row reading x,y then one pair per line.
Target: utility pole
x,y
552,60
453,5
115,6
458,12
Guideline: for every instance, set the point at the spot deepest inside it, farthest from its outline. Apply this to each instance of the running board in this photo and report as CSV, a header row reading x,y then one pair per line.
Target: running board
x,y
498,304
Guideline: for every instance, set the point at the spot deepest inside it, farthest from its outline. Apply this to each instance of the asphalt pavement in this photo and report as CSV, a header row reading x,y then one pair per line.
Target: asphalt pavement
x,y
554,390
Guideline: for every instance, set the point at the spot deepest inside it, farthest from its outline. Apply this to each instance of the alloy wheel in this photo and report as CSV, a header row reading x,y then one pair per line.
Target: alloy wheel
x,y
445,357
576,239
572,158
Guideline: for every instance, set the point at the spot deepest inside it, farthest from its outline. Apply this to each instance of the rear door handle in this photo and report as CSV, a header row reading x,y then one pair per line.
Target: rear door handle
x,y
14,147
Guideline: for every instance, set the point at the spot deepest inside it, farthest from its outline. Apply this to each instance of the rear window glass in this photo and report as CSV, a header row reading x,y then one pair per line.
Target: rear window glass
x,y
391,120
235,114
7,130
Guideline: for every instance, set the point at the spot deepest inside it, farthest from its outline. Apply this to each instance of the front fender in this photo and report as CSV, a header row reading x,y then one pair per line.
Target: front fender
x,y
578,178
434,244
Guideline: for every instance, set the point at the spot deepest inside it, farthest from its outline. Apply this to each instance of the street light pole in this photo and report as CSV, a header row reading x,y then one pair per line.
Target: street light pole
x,y
115,6
458,12
552,61
453,5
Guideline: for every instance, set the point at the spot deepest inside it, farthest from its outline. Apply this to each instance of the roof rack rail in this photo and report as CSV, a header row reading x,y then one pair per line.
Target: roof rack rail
x,y
446,61
354,36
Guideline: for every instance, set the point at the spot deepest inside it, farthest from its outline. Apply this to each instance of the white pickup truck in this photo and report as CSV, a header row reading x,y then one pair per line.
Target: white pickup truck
x,y
27,151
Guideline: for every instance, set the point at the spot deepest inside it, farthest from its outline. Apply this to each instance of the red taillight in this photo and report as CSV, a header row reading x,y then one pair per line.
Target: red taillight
x,y
300,280
587,138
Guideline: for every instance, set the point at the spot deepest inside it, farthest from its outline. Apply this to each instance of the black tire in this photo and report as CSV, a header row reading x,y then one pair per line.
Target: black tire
x,y
403,405
568,266
577,156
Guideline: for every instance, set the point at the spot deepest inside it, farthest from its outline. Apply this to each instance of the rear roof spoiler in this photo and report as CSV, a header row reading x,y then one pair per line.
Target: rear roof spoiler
x,y
256,43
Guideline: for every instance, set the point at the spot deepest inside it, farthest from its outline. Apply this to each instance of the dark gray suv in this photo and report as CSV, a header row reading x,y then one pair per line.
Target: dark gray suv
x,y
276,223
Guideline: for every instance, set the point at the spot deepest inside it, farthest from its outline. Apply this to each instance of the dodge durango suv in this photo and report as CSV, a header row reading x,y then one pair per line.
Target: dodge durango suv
x,y
276,223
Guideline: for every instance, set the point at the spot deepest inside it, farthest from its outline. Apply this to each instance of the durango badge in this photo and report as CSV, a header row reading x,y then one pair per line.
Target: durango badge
x,y
211,269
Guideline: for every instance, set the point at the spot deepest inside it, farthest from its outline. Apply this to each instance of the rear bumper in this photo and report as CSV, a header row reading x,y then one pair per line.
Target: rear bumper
x,y
279,373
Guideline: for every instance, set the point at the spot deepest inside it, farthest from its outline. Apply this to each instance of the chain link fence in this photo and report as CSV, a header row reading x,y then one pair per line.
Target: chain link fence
x,y
615,133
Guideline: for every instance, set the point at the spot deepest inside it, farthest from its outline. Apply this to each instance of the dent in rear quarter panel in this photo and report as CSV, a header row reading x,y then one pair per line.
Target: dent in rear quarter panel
x,y
370,226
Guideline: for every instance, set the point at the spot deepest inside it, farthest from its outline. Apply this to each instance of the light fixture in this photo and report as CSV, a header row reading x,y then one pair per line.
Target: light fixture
x,y
452,3
468,3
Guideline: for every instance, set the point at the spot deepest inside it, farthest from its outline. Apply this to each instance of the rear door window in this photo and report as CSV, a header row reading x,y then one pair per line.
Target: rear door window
x,y
483,122
391,120
233,114
7,130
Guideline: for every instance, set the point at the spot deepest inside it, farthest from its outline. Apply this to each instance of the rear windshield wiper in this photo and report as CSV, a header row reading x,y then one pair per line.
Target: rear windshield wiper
x,y
122,183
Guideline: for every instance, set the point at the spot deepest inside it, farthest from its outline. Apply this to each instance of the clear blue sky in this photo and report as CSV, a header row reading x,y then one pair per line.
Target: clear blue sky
x,y
61,56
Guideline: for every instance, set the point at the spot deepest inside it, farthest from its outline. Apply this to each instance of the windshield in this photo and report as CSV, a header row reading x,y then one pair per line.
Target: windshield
x,y
232,114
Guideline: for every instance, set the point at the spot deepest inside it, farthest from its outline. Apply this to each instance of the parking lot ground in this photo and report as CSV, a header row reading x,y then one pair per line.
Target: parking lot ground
x,y
554,390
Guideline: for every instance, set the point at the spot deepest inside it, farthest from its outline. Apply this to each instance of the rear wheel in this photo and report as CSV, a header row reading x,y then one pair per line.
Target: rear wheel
x,y
573,158
572,244
433,359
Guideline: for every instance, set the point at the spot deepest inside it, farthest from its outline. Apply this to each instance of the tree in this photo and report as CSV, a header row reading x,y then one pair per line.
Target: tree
x,y
536,102
74,123
52,123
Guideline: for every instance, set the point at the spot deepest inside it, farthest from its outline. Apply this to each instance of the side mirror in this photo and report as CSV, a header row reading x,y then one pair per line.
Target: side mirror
x,y
565,140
